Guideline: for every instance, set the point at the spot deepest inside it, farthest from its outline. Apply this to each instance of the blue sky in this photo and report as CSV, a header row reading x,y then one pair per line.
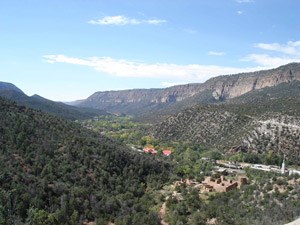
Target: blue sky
x,y
68,49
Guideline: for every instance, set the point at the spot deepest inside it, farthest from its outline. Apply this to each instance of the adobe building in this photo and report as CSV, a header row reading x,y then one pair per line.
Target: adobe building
x,y
222,184
210,184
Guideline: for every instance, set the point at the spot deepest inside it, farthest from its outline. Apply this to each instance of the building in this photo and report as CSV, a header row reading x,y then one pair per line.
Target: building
x,y
220,171
222,184
210,184
167,152
150,150
219,184
261,167
293,172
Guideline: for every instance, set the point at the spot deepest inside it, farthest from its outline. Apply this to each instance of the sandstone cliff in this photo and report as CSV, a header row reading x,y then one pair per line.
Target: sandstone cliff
x,y
228,87
140,101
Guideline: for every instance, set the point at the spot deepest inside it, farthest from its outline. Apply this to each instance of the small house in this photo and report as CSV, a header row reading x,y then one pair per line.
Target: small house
x,y
167,152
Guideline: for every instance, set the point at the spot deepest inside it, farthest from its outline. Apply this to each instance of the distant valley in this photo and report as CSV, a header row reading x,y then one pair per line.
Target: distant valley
x,y
250,112
149,112
87,163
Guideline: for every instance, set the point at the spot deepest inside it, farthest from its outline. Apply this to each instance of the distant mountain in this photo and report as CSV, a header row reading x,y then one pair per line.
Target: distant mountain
x,y
11,92
259,121
145,102
139,101
54,171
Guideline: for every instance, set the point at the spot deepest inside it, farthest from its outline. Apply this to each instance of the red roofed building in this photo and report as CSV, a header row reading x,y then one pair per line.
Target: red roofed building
x,y
167,152
150,150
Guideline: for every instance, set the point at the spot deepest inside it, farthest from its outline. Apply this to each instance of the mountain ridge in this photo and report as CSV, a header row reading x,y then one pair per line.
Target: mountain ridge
x,y
5,86
137,102
11,92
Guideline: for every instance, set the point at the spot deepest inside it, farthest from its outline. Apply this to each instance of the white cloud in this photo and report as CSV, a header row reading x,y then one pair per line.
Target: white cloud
x,y
216,53
65,59
270,61
290,48
133,69
114,20
154,21
244,1
239,12
278,54
123,20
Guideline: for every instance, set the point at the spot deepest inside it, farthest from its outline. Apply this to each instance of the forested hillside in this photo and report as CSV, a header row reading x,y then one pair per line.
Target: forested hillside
x,y
56,172
261,121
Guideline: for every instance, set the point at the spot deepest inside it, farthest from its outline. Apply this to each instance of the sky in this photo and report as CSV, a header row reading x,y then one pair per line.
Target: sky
x,y
66,50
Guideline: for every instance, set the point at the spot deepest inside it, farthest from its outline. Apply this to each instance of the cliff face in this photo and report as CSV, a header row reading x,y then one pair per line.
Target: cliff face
x,y
172,94
140,101
237,85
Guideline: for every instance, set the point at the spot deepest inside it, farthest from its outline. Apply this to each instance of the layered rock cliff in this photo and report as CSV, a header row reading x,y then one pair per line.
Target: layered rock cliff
x,y
141,101
228,87
167,95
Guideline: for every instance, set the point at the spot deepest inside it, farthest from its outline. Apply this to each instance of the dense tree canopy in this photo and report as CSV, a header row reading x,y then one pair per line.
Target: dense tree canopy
x,y
56,172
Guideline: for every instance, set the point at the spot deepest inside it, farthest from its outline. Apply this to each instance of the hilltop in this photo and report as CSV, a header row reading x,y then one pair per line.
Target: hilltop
x,y
4,86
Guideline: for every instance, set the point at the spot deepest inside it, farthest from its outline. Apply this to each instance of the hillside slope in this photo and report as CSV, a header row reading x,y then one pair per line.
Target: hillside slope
x,y
56,172
173,99
261,121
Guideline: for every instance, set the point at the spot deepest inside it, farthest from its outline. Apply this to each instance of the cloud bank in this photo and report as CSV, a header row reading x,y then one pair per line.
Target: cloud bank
x,y
133,69
290,48
279,54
